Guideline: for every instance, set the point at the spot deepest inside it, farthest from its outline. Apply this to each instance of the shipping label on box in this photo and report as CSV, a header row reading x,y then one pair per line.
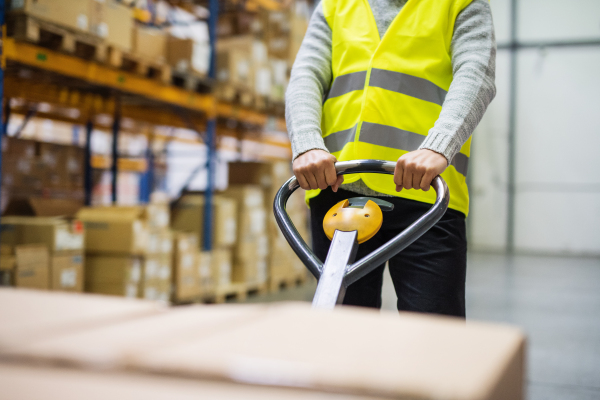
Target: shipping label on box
x,y
151,268
158,215
66,272
185,242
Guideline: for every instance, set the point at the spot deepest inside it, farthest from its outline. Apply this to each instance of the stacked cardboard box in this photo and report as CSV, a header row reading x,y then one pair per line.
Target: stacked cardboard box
x,y
30,169
150,43
251,248
25,266
71,14
282,261
129,251
192,276
113,22
107,19
63,239
257,57
214,268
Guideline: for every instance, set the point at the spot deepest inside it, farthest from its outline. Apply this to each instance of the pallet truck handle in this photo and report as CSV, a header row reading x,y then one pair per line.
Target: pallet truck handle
x,y
379,256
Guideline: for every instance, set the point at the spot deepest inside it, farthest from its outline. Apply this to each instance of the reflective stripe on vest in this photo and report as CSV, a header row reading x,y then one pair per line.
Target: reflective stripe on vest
x,y
387,92
395,81
387,136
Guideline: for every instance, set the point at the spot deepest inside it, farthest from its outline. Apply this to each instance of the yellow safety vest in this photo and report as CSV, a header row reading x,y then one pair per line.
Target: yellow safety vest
x,y
387,93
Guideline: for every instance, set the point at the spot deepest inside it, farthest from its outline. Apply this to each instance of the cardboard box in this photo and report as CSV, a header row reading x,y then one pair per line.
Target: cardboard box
x,y
32,315
8,266
221,265
114,230
23,148
235,62
72,14
151,268
270,176
156,280
116,336
251,212
56,233
66,272
113,22
150,43
188,216
44,207
184,242
402,356
206,278
129,290
252,222
160,242
158,215
250,260
53,383
249,271
23,172
255,249
225,221
157,290
186,280
32,267
186,55
109,270
63,165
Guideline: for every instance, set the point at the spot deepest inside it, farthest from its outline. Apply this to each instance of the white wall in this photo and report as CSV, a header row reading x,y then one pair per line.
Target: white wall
x,y
557,134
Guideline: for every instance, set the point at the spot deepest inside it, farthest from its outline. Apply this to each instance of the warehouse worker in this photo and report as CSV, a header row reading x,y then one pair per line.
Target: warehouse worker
x,y
403,81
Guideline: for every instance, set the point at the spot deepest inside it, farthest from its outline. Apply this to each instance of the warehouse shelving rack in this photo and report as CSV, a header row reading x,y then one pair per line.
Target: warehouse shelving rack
x,y
41,75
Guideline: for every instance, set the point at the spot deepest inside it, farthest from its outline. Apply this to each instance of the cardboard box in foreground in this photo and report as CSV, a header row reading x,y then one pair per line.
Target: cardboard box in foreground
x,y
347,351
71,384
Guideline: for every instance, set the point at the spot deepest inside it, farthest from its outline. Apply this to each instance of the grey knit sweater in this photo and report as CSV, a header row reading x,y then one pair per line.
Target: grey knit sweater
x,y
473,50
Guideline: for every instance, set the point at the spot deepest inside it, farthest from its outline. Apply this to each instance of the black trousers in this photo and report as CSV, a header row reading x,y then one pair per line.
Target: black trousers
x,y
429,275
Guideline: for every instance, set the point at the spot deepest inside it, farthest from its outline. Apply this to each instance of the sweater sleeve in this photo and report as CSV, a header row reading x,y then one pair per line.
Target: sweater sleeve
x,y
473,62
310,80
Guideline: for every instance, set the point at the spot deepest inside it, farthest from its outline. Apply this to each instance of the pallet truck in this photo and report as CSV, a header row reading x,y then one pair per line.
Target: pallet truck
x,y
349,223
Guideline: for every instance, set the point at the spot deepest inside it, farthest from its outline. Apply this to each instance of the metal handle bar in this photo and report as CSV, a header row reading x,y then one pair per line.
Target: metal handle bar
x,y
377,257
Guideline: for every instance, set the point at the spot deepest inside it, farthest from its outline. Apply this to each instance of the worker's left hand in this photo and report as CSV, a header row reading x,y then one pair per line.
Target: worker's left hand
x,y
416,170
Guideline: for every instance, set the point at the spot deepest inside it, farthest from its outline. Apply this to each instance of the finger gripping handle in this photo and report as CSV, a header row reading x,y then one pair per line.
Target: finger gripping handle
x,y
378,256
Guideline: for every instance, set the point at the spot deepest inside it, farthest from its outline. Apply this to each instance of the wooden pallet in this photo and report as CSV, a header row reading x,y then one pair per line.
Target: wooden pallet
x,y
278,283
153,69
191,81
237,291
236,95
84,45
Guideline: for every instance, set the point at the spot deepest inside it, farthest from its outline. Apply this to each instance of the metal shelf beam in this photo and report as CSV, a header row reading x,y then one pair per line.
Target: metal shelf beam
x,y
97,74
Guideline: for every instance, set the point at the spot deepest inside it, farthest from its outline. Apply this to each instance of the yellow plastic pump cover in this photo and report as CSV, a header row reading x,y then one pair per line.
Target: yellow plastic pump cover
x,y
367,220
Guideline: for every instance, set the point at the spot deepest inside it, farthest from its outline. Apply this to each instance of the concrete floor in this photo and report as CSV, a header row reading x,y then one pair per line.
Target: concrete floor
x,y
555,300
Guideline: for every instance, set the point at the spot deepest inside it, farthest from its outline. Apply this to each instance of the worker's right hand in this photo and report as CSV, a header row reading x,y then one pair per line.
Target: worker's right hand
x,y
315,169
